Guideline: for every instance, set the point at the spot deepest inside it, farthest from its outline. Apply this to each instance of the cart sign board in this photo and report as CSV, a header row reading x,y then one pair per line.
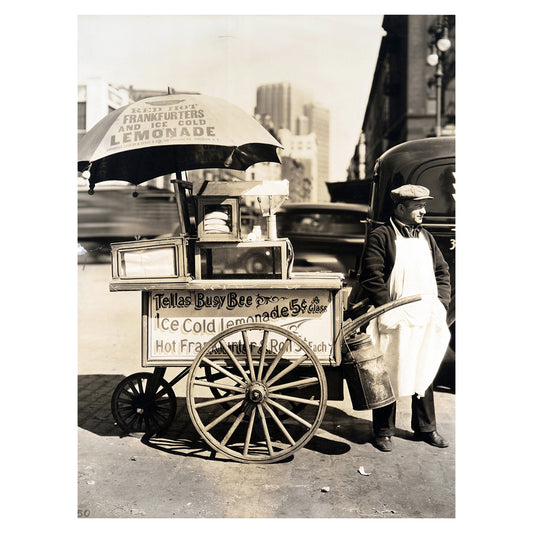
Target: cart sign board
x,y
178,323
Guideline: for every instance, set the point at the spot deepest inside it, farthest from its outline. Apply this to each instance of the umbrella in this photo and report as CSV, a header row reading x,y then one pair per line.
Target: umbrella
x,y
173,133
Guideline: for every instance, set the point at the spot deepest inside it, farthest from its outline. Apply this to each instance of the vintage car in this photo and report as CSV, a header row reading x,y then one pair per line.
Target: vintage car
x,y
325,236
120,212
429,162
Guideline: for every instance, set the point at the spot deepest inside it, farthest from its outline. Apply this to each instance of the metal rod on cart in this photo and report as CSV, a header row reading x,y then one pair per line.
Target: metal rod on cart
x,y
179,201
157,376
181,375
352,325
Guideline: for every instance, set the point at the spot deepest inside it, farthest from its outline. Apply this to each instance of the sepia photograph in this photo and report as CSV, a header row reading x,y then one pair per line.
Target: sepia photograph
x,y
254,301
266,241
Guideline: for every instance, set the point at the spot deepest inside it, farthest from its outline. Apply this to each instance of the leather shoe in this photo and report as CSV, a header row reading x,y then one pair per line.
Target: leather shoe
x,y
383,444
433,438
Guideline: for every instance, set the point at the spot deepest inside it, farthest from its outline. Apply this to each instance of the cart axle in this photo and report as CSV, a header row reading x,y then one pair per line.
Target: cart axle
x,y
256,392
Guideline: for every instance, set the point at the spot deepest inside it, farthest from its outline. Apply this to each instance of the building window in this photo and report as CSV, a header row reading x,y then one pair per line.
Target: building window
x,y
82,115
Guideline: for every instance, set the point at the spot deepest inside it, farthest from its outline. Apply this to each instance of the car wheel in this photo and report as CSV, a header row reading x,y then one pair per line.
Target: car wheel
x,y
257,264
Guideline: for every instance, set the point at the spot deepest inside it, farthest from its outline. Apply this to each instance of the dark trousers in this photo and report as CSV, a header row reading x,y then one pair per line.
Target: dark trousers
x,y
422,416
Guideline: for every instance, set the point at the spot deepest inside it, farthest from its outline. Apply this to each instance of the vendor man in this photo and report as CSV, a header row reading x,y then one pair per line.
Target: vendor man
x,y
402,259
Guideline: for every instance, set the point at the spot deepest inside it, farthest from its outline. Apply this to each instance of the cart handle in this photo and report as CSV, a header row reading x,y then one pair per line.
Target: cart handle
x,y
350,325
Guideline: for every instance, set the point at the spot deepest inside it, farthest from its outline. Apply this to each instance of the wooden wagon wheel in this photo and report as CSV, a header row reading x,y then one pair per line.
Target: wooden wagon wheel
x,y
214,375
266,370
137,407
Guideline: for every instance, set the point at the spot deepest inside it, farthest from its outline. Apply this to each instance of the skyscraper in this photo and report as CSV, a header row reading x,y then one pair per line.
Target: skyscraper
x,y
318,118
284,103
288,107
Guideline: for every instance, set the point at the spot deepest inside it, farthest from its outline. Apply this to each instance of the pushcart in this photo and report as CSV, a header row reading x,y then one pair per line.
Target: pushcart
x,y
261,346
262,352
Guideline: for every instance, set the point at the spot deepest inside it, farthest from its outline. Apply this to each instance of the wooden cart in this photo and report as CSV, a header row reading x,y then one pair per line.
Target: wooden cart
x,y
260,352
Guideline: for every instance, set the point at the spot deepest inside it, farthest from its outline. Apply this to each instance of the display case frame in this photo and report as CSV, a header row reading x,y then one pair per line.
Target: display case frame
x,y
154,260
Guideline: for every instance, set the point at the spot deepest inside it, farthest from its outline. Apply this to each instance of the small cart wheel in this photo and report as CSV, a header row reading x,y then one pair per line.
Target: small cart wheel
x,y
269,389
137,407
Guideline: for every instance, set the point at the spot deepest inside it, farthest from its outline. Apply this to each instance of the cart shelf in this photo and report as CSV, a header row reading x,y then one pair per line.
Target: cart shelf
x,y
304,280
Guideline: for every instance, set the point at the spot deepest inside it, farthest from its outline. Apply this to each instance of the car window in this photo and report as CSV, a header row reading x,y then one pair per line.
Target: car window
x,y
440,180
334,223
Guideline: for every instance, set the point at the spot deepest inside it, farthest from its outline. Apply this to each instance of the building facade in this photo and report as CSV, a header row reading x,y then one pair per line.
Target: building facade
x,y
402,103
299,166
319,120
96,99
284,107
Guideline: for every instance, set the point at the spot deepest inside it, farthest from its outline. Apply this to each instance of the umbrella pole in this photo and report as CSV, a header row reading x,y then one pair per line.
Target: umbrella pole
x,y
179,193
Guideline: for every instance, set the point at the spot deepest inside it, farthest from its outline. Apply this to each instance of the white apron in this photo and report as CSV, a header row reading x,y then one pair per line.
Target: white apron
x,y
413,338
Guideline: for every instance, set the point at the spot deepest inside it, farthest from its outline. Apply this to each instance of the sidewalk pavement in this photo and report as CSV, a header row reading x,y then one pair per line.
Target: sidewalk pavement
x,y
177,476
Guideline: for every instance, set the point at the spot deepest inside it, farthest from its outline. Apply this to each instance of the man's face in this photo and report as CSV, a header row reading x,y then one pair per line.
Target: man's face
x,y
411,212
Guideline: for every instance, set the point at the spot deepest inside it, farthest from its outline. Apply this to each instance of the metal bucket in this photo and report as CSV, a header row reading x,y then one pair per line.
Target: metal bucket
x,y
364,370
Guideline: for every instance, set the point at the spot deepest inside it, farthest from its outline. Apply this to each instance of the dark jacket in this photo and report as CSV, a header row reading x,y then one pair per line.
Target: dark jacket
x,y
378,260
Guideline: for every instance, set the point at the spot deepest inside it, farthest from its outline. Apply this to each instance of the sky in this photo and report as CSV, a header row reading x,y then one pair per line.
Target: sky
x,y
229,56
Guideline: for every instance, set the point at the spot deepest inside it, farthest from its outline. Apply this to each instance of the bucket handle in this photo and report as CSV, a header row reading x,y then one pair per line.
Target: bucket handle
x,y
351,325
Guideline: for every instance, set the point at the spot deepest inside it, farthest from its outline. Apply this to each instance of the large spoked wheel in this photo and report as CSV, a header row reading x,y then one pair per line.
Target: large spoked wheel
x,y
269,389
143,403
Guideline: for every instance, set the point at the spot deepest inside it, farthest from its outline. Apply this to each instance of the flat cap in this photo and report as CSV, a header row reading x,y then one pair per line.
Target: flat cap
x,y
410,192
